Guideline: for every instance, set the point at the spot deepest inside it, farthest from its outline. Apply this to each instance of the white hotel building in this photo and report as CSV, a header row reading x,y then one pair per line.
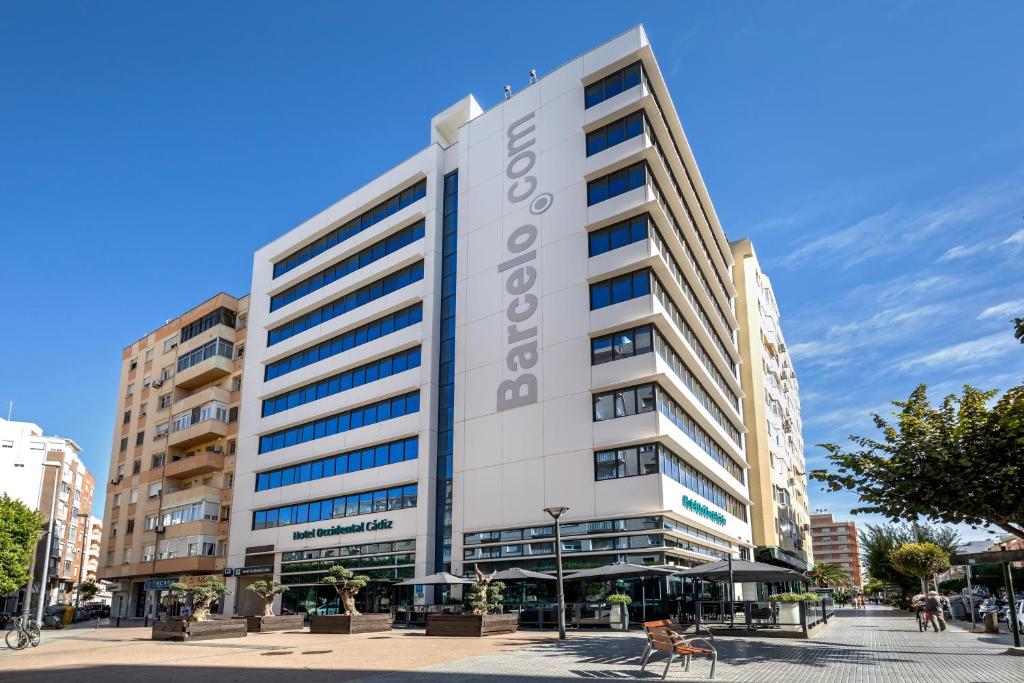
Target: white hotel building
x,y
535,310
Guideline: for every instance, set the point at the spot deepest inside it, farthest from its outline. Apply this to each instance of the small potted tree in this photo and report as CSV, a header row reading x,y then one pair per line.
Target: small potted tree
x,y
484,597
350,620
87,590
198,625
619,603
267,590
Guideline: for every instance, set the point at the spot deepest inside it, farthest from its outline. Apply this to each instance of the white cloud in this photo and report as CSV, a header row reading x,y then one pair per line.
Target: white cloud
x,y
962,251
964,354
1016,238
1007,309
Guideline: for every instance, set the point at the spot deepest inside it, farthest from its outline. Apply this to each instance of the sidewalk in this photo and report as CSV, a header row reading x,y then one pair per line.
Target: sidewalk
x,y
876,645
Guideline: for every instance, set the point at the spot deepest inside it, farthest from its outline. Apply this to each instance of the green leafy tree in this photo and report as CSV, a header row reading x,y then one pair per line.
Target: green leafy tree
x,y
960,462
18,527
828,574
347,585
485,594
873,587
203,594
920,560
877,541
87,590
267,591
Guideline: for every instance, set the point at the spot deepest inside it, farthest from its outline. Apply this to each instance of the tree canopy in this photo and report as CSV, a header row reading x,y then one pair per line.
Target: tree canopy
x,y
267,590
348,585
18,527
485,594
829,574
961,462
877,541
920,560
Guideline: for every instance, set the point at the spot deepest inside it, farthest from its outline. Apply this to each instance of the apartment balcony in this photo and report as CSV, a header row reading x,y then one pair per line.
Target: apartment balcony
x,y
192,466
200,432
200,397
193,494
198,564
205,371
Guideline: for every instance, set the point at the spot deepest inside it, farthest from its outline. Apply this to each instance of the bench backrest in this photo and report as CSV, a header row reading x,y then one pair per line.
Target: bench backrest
x,y
659,634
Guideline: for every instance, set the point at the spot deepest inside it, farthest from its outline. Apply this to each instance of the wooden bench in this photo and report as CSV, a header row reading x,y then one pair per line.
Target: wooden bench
x,y
661,638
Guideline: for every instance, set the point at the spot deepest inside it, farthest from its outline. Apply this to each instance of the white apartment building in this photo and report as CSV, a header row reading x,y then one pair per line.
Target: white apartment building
x,y
535,310
771,408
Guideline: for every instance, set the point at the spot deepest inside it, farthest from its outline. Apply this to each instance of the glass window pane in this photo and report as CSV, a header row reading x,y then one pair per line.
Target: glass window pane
x,y
604,407
645,398
601,349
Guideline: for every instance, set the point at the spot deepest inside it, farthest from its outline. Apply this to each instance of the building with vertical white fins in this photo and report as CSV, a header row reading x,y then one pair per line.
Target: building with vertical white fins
x,y
535,310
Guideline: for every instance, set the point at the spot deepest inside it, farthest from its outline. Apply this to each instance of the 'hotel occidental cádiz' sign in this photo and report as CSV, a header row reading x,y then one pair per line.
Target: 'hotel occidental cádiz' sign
x,y
703,510
375,525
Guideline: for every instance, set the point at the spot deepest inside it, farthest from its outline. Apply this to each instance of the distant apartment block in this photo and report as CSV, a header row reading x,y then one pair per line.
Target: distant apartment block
x,y
173,454
836,543
64,490
780,517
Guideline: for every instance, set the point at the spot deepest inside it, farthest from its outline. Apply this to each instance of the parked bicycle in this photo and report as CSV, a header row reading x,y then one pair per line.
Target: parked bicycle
x,y
23,634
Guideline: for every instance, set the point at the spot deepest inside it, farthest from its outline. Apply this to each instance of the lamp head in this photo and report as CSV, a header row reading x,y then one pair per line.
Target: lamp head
x,y
557,511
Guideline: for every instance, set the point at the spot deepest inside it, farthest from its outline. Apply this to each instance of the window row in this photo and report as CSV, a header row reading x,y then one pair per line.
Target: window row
x,y
618,235
306,581
616,183
618,289
644,339
688,333
222,316
611,85
342,422
350,550
361,259
353,227
645,398
619,463
383,500
679,470
214,347
350,379
321,566
189,546
183,514
602,526
684,284
576,545
364,334
616,132
348,302
343,463
211,410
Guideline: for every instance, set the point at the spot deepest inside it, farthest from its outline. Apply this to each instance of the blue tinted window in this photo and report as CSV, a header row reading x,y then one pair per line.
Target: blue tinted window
x,y
358,504
616,183
345,341
619,289
612,84
353,227
352,419
347,302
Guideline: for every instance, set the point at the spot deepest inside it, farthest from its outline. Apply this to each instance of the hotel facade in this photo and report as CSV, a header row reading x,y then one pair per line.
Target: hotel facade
x,y
535,310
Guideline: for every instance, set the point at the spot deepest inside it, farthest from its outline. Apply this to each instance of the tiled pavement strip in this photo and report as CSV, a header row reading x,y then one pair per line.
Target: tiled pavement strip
x,y
877,645
873,645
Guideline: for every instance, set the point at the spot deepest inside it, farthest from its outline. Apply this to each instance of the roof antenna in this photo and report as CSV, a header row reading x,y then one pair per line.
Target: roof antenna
x,y
533,76
508,91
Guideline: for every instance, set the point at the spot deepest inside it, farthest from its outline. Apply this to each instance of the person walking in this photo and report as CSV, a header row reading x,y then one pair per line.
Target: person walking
x,y
934,605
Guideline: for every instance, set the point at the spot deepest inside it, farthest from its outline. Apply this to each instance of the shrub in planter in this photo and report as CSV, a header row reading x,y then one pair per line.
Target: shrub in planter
x,y
484,597
203,595
199,626
485,594
348,585
267,591
619,603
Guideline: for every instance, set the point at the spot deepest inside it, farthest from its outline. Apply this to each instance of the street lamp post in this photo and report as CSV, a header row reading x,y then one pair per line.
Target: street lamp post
x,y
555,513
81,558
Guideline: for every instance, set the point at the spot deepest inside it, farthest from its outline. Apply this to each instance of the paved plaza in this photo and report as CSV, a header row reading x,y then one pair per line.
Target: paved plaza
x,y
873,645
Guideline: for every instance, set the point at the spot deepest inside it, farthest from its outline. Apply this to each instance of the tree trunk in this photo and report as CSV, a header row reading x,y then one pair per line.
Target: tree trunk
x,y
201,610
268,607
924,587
348,603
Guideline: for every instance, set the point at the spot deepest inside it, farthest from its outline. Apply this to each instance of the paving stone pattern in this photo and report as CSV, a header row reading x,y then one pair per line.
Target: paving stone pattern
x,y
860,646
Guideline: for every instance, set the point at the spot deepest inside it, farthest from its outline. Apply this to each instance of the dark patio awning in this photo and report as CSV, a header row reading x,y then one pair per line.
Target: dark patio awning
x,y
517,574
439,579
620,570
742,571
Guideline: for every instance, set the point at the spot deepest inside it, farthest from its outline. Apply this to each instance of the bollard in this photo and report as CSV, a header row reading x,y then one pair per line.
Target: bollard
x,y
991,622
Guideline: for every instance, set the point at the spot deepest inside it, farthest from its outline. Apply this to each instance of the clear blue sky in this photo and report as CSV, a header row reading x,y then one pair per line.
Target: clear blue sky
x,y
874,152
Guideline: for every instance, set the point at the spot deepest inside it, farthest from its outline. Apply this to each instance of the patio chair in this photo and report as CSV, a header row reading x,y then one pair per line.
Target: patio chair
x,y
661,638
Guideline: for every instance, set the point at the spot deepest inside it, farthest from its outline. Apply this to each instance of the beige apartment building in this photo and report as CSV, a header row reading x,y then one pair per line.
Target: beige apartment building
x,y
173,456
837,543
780,514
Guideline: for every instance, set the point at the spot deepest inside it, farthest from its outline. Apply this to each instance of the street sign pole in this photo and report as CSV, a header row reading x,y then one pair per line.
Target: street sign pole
x,y
1014,624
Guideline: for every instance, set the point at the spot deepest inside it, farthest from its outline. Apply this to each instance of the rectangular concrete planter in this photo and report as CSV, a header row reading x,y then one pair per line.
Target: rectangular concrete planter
x,y
214,629
471,625
284,622
344,623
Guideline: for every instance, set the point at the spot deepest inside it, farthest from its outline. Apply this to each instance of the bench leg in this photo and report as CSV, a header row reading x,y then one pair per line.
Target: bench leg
x,y
714,660
644,658
671,656
686,662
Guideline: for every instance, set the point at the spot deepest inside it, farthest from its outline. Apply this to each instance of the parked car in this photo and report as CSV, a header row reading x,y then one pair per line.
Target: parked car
x,y
96,610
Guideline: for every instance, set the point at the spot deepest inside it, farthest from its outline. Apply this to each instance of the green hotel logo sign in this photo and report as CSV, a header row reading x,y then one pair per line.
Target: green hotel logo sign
x,y
703,510
375,525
